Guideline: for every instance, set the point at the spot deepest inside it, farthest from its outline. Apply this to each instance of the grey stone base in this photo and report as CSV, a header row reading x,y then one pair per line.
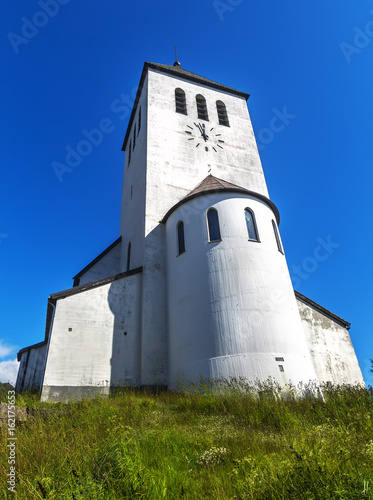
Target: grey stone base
x,y
63,393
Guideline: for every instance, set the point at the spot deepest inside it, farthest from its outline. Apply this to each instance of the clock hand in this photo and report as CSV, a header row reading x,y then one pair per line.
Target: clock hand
x,y
204,135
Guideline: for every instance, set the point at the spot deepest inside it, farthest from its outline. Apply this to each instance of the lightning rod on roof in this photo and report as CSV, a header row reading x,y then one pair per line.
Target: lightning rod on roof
x,y
176,63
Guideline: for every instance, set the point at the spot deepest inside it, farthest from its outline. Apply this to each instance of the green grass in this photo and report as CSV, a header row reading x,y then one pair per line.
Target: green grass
x,y
228,443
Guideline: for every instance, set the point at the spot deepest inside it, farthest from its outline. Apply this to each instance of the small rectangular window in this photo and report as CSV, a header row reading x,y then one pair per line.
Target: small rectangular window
x,y
281,368
279,359
129,154
180,237
277,236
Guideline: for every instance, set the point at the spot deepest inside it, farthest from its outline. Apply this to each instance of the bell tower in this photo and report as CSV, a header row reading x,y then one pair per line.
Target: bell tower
x,y
224,306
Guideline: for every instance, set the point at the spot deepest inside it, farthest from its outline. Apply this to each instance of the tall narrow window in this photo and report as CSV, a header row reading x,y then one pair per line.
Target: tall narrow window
x,y
251,225
134,136
180,237
277,236
129,154
213,224
222,113
201,107
129,256
139,120
180,102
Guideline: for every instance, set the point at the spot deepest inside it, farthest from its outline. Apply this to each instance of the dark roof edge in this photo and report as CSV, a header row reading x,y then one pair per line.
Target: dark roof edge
x,y
261,197
322,310
25,349
186,75
99,257
93,284
52,300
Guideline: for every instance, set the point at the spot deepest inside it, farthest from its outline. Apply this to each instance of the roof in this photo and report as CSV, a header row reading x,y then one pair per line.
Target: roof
x,y
322,310
93,284
180,73
211,184
72,291
99,257
33,346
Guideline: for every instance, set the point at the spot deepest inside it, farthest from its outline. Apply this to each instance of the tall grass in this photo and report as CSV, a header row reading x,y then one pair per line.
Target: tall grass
x,y
231,441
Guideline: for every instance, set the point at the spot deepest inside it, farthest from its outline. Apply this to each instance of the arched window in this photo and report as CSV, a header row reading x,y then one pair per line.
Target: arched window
x,y
139,120
201,107
180,102
180,237
277,236
251,225
213,225
129,256
222,113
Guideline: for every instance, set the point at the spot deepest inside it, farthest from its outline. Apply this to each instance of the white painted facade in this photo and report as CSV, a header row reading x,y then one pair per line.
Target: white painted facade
x,y
140,314
243,315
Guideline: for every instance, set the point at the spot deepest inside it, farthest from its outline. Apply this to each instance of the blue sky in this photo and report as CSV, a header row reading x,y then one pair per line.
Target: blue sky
x,y
64,65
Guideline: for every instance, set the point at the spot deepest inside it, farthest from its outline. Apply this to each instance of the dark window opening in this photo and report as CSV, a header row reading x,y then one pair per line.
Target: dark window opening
x,y
180,237
213,225
134,136
129,256
129,154
279,359
222,113
251,225
201,107
281,368
277,236
180,102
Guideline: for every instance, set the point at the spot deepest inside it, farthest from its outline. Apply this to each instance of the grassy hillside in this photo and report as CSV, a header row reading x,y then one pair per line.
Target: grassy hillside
x,y
4,388
232,445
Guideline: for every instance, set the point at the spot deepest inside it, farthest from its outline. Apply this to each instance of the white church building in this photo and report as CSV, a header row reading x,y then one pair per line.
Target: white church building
x,y
197,283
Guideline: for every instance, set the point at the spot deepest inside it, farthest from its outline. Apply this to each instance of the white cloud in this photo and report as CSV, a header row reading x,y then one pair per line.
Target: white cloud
x,y
5,350
8,371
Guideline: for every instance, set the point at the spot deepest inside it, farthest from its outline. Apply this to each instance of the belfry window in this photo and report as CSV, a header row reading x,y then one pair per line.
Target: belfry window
x,y
139,120
251,225
222,113
277,236
128,257
201,107
180,102
180,237
213,225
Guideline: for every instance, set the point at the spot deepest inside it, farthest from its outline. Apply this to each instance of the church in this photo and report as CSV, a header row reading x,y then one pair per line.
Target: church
x,y
197,282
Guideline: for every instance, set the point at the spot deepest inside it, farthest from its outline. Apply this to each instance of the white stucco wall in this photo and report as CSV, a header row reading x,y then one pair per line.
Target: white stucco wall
x,y
175,165
95,354
132,226
108,265
32,361
331,348
231,305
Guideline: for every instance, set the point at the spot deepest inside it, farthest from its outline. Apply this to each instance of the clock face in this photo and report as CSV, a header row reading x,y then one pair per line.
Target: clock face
x,y
204,137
